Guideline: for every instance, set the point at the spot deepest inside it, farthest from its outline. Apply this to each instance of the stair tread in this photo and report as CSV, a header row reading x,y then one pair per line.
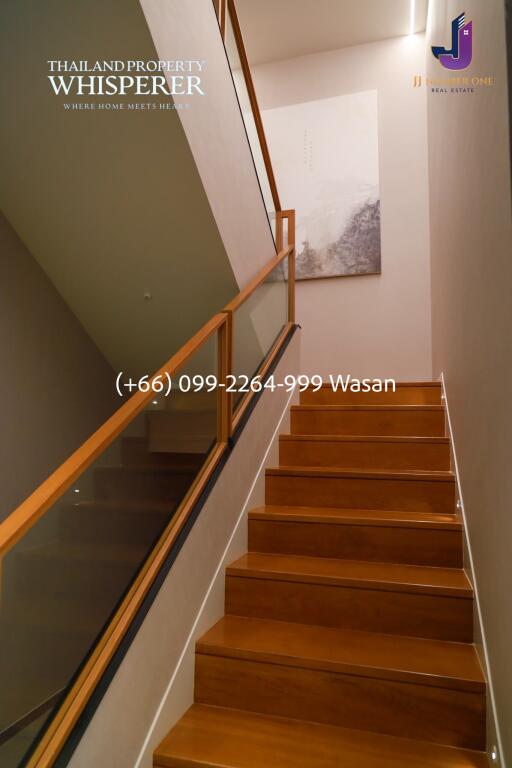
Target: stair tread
x,y
367,438
369,654
213,737
370,474
340,516
373,407
393,577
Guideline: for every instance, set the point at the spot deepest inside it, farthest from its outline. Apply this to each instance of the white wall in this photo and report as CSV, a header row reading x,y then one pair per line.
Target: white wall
x,y
471,251
370,325
188,29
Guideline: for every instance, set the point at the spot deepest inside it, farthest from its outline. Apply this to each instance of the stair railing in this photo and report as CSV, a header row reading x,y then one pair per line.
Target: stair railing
x,y
226,12
272,289
277,276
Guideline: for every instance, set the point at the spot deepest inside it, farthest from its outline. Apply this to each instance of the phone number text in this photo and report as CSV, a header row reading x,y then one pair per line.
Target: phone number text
x,y
166,385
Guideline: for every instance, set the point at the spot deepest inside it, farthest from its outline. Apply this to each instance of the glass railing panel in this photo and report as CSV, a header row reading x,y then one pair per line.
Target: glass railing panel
x,y
257,323
249,122
64,579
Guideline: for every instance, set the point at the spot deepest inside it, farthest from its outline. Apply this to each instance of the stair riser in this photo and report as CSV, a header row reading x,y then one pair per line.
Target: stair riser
x,y
141,486
451,717
47,667
397,423
21,693
55,615
401,396
373,610
33,652
135,452
81,581
365,455
361,493
415,546
115,527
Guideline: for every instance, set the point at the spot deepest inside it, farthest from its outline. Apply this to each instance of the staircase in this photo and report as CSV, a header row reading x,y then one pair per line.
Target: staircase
x,y
347,639
58,591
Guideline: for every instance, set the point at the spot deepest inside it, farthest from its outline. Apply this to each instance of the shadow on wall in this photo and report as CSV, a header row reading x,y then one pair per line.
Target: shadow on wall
x,y
56,387
112,255
109,203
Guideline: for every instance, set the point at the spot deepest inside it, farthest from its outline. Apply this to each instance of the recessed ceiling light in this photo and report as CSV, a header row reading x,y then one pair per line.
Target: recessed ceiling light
x,y
412,18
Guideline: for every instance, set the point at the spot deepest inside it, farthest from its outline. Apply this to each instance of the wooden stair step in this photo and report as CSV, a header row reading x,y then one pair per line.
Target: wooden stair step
x,y
56,615
421,661
357,534
365,452
406,393
450,582
213,737
375,474
341,516
144,483
186,428
378,597
331,487
77,552
87,570
135,452
114,521
399,420
427,689
23,689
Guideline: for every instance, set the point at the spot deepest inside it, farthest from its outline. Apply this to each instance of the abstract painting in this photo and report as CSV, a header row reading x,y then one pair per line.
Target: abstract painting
x,y
326,163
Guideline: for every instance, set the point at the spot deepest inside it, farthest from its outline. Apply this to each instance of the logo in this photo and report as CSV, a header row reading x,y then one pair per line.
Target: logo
x,y
461,52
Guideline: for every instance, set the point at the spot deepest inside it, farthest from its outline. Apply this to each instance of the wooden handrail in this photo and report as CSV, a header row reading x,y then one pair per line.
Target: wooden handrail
x,y
220,10
246,70
29,512
62,724
290,218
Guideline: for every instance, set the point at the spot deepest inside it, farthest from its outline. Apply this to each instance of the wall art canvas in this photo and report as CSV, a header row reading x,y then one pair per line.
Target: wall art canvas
x,y
325,159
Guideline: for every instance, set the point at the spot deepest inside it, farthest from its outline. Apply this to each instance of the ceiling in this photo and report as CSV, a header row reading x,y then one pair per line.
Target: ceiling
x,y
283,29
